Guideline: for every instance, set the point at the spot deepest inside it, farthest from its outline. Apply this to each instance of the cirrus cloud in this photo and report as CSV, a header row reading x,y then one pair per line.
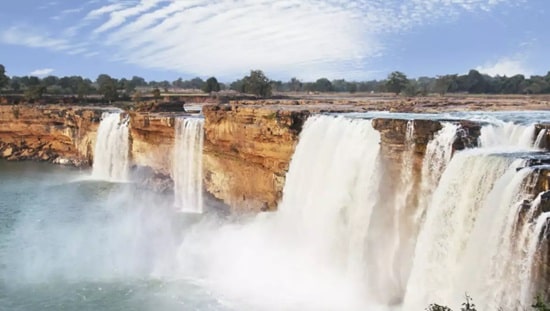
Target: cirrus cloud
x,y
227,38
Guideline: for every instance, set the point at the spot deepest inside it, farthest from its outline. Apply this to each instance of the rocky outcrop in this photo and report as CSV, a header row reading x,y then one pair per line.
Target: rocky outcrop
x,y
151,151
247,151
57,134
542,132
539,184
394,142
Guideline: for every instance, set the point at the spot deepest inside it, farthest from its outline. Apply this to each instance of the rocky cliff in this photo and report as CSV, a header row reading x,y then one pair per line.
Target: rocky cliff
x,y
247,151
152,141
395,144
58,134
152,137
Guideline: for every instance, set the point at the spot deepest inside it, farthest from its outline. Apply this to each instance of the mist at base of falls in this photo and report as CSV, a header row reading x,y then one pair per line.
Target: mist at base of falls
x,y
89,245
346,236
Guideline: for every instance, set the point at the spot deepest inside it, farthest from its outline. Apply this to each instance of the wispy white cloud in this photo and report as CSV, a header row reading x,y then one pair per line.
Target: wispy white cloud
x,y
48,5
113,7
29,37
41,72
506,66
227,37
65,13
26,36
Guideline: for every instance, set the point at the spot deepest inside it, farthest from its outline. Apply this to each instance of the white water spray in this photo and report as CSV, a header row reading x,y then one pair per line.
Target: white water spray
x,y
438,154
311,252
533,230
187,164
467,242
508,135
111,152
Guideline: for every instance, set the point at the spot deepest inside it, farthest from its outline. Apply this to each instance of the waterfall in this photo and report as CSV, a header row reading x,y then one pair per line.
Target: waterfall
x,y
353,232
111,152
467,242
187,164
438,154
530,235
539,142
330,186
507,135
462,229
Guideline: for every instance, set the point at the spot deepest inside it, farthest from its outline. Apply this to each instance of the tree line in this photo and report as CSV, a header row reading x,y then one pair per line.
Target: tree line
x,y
257,83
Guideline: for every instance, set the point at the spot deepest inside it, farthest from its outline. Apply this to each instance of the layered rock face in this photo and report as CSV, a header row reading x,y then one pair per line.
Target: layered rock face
x,y
64,135
152,142
395,144
247,151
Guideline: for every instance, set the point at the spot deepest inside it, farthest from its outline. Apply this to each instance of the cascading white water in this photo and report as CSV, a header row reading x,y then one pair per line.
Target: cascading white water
x,y
311,252
111,152
507,135
341,234
447,227
332,186
539,142
329,226
530,235
467,242
187,164
438,154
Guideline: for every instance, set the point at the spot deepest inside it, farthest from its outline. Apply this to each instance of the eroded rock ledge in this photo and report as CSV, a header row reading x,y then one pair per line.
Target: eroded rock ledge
x,y
247,148
247,151
57,134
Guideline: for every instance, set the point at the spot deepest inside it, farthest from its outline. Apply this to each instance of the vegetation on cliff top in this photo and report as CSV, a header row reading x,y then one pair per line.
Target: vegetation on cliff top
x,y
258,84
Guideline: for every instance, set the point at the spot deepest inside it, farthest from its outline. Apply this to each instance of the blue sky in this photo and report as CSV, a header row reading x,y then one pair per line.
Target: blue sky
x,y
308,39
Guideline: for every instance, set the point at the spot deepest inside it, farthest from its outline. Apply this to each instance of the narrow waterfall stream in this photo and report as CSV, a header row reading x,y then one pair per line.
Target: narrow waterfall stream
x,y
111,160
187,164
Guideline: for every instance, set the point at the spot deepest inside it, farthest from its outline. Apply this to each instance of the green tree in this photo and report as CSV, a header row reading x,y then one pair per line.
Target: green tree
x,y
277,86
257,83
237,85
197,83
412,88
540,305
396,82
108,87
295,85
323,85
339,85
468,305
138,81
35,92
473,82
436,307
352,88
178,83
50,81
444,84
211,85
4,80
33,81
84,87
15,84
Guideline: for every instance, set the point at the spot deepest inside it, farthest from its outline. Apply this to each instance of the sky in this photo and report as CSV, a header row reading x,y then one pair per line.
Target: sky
x,y
307,39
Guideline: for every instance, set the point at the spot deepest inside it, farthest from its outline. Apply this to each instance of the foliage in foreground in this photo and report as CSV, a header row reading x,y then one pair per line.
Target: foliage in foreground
x,y
469,305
